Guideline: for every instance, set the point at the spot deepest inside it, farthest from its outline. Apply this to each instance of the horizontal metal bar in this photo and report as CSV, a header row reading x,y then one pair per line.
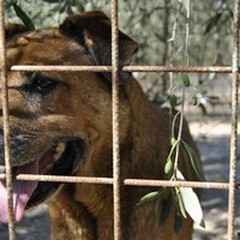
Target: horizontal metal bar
x,y
200,69
166,183
65,179
61,68
130,182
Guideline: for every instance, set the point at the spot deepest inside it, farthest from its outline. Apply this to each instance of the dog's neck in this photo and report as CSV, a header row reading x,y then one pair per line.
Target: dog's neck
x,y
137,134
143,126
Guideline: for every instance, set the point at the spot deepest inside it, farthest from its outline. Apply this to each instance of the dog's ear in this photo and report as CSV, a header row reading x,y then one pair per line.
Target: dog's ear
x,y
14,29
93,31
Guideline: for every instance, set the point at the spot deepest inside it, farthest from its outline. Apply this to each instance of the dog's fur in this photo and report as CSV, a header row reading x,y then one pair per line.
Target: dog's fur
x,y
80,107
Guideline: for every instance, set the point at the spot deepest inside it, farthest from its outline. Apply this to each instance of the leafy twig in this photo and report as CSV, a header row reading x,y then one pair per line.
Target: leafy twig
x,y
186,200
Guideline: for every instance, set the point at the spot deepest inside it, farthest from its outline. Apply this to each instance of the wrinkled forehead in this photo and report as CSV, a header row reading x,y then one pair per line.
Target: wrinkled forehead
x,y
43,47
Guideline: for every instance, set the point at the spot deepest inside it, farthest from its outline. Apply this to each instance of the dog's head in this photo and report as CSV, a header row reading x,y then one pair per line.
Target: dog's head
x,y
58,119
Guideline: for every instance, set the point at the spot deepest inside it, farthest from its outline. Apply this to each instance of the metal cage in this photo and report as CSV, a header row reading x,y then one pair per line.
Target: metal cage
x,y
116,180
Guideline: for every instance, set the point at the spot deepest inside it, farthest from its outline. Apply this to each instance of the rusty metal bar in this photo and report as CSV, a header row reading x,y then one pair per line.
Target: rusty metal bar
x,y
64,179
116,181
6,128
51,68
234,121
115,123
193,69
129,181
167,183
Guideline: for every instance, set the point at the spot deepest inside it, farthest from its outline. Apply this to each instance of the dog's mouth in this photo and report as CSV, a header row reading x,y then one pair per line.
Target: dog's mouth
x,y
62,159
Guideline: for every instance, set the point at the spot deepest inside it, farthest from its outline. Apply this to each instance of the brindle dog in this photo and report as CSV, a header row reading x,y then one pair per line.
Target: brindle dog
x,y
61,124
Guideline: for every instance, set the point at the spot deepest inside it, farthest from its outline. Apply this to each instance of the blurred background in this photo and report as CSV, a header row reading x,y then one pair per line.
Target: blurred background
x,y
159,28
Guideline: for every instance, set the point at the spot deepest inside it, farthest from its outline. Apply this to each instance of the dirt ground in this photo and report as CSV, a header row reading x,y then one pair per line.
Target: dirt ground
x,y
215,150
213,140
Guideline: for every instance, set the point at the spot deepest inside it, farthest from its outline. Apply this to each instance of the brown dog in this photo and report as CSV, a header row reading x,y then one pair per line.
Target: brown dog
x,y
61,125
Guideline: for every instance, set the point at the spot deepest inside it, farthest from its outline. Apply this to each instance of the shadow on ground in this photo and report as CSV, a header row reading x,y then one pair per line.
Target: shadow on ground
x,y
215,152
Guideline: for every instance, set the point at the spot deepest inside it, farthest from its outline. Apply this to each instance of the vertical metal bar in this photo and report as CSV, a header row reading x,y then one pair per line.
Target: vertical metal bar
x,y
115,121
6,128
234,121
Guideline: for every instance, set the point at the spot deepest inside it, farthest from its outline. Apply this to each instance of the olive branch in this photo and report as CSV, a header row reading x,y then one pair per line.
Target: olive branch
x,y
183,199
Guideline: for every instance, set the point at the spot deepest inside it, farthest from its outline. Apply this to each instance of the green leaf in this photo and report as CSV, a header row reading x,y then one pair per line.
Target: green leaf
x,y
173,100
173,141
203,108
166,208
185,80
168,168
63,8
69,10
177,223
150,197
9,3
213,100
194,160
159,37
192,205
194,101
212,22
23,16
190,202
181,204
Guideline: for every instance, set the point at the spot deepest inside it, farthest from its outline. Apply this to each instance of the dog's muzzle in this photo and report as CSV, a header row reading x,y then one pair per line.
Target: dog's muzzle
x,y
31,156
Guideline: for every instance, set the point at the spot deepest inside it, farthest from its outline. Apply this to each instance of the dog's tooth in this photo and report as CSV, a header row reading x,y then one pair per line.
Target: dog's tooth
x,y
2,169
60,148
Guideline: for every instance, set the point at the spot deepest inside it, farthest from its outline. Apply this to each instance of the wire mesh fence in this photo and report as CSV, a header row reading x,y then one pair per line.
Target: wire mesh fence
x,y
117,181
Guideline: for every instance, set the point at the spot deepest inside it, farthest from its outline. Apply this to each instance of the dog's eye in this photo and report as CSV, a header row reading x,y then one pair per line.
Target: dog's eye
x,y
41,85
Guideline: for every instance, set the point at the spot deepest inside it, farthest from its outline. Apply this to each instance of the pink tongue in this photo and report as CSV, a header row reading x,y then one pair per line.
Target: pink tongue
x,y
22,191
